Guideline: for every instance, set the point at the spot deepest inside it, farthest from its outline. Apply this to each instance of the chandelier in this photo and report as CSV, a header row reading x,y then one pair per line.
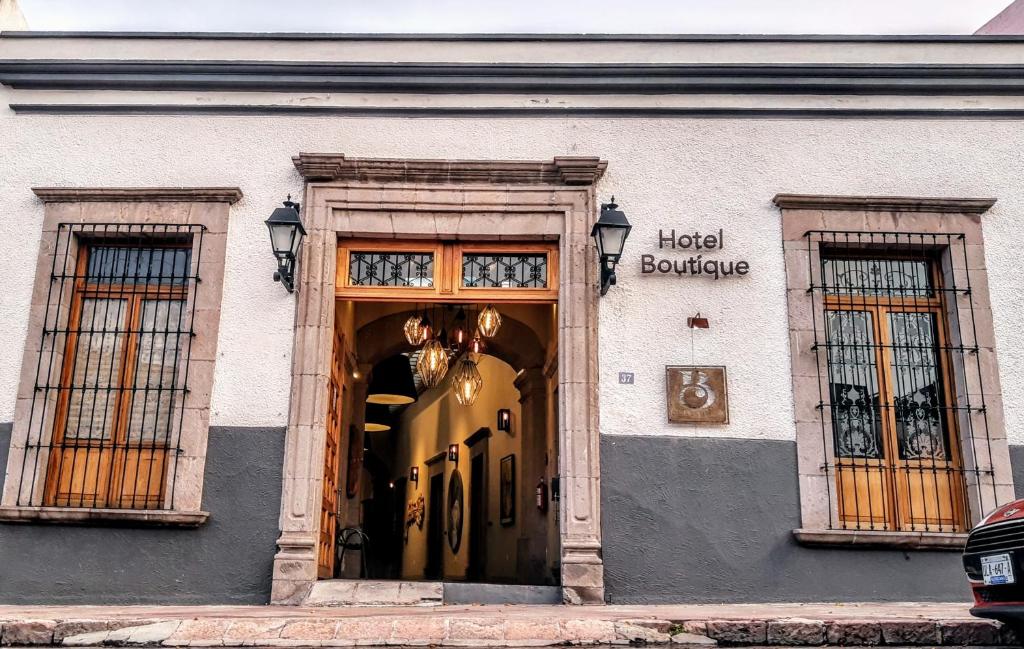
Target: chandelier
x,y
466,381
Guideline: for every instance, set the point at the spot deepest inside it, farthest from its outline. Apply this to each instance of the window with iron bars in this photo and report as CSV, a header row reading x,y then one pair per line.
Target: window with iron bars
x,y
895,336
112,370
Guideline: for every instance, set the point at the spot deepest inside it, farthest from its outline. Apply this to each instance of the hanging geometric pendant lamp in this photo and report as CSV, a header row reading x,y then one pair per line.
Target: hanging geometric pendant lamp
x,y
489,321
414,330
466,381
433,363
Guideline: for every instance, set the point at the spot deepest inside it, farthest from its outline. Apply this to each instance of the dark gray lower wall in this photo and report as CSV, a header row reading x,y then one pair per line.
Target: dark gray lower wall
x,y
1017,465
710,520
227,560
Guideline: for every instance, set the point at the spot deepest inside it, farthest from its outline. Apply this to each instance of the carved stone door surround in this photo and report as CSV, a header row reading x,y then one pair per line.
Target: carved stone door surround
x,y
446,200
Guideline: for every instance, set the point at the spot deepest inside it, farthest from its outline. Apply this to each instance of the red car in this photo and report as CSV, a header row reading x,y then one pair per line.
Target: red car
x,y
994,561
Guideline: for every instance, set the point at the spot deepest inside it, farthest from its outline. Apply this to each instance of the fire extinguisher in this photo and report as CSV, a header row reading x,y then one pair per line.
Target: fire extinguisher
x,y
542,495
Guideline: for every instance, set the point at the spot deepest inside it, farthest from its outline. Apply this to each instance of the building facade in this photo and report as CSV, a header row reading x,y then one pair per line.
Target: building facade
x,y
799,387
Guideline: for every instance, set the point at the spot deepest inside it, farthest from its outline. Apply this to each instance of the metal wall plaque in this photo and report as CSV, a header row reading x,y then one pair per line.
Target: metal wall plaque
x,y
697,394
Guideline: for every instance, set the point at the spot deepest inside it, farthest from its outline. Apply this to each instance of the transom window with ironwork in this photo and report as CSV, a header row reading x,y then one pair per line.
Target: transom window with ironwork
x,y
505,271
890,346
406,269
451,271
113,367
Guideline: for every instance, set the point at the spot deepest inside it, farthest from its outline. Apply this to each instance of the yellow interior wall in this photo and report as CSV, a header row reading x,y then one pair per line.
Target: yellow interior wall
x,y
427,428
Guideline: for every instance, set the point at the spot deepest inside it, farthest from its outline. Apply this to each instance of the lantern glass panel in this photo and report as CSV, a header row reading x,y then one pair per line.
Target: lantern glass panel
x,y
296,241
282,238
610,241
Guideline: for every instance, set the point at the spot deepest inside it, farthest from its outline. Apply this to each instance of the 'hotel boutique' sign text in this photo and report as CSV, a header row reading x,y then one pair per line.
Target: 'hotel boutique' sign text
x,y
700,263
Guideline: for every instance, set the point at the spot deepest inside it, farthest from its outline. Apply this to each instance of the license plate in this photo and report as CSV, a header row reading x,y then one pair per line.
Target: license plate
x,y
997,569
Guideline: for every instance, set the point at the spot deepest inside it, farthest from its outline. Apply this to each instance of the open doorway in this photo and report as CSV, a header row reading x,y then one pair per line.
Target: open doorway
x,y
450,445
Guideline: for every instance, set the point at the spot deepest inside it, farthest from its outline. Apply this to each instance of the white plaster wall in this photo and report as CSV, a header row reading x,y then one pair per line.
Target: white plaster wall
x,y
684,173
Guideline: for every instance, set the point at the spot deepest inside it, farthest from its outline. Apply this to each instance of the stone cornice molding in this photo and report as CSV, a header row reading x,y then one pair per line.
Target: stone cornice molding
x,y
883,203
504,77
138,194
562,170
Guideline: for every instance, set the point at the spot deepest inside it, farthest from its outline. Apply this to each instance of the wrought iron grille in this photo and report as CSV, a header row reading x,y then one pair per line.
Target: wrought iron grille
x,y
112,372
902,408
505,271
391,269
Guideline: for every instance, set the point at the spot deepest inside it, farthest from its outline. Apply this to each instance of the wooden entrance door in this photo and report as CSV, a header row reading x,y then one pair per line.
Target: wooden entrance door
x,y
329,503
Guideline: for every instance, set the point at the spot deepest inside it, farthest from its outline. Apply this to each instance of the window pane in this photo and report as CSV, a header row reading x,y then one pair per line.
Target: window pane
x,y
890,277
415,269
138,265
96,365
853,384
505,271
155,402
918,390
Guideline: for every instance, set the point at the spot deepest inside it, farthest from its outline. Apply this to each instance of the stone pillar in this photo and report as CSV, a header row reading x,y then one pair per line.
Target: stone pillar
x,y
296,561
579,432
532,431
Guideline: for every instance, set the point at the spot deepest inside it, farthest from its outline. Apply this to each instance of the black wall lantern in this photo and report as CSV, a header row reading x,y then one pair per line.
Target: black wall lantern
x,y
414,474
505,420
610,234
453,453
286,234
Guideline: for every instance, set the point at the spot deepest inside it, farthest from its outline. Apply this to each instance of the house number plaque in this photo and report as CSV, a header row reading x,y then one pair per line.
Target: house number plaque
x,y
697,394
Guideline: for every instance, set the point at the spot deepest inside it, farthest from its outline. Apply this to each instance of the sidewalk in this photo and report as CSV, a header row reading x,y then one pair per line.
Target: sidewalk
x,y
488,626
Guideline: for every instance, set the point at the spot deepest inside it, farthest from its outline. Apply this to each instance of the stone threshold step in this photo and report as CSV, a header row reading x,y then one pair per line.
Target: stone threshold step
x,y
366,592
496,630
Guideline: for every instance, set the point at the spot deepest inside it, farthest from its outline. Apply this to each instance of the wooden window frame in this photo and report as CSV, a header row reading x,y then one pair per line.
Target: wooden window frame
x,y
895,492
117,442
447,272
70,216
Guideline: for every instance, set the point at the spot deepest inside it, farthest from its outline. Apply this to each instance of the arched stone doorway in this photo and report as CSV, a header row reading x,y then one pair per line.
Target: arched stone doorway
x,y
446,200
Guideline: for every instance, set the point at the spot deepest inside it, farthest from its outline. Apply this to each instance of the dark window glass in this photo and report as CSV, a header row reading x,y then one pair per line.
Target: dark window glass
x,y
918,399
853,384
138,265
890,277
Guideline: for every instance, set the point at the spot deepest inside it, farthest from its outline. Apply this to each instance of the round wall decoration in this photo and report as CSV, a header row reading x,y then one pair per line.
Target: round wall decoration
x,y
455,511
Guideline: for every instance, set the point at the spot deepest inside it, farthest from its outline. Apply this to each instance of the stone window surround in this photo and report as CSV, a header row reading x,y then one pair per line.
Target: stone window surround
x,y
208,206
803,213
450,200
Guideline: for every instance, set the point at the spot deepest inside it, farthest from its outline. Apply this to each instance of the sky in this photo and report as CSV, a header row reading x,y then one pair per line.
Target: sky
x,y
483,16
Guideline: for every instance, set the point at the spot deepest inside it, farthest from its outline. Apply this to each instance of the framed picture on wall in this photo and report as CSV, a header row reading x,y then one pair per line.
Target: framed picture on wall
x,y
507,489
